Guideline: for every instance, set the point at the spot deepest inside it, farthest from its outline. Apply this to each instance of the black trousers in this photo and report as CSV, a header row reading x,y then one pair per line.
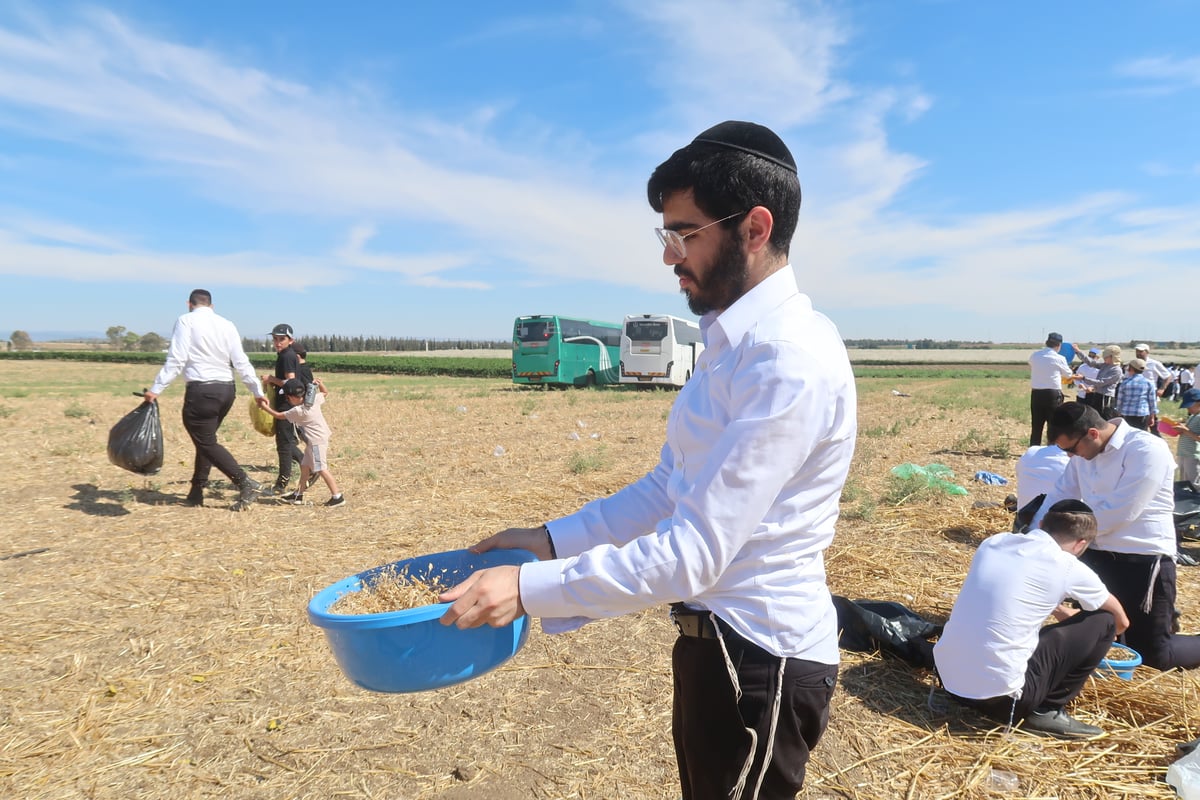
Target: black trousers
x,y
204,408
1066,655
718,757
286,447
1141,423
1042,403
1128,579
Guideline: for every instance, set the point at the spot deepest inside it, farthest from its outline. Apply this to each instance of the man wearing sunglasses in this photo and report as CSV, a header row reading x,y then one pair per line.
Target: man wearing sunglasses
x,y
1127,477
731,527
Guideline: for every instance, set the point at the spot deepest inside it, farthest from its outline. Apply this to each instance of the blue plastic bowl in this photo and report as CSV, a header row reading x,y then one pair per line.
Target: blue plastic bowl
x,y
410,650
1122,667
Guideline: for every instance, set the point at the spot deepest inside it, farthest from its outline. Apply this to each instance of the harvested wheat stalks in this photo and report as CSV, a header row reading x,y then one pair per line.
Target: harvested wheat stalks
x,y
390,590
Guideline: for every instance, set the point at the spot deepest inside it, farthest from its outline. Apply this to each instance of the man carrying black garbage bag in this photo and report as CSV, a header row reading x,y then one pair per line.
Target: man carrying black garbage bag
x,y
207,349
994,653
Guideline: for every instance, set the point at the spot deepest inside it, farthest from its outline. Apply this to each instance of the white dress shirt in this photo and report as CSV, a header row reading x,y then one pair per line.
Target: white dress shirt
x,y
1014,583
741,507
203,346
1156,371
1038,470
1047,368
1130,487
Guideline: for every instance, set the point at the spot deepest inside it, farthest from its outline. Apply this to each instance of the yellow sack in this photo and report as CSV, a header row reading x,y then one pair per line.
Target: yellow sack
x,y
263,422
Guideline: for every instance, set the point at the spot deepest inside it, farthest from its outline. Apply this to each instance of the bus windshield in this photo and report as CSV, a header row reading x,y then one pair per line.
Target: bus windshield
x,y
645,331
540,330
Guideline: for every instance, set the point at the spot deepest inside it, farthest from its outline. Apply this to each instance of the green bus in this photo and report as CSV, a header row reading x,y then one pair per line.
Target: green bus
x,y
549,350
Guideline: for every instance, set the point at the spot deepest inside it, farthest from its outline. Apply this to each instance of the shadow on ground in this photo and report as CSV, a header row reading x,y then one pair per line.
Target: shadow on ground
x,y
93,501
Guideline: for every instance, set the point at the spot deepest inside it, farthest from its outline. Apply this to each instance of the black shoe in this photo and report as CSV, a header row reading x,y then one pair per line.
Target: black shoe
x,y
195,498
291,497
279,488
336,500
1058,723
250,490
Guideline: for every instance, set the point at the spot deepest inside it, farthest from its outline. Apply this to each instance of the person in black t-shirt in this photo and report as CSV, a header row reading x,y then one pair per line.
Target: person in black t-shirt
x,y
287,366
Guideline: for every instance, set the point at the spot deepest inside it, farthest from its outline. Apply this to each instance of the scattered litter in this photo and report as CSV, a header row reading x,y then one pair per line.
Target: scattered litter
x,y
499,451
1003,781
581,423
990,478
899,393
461,409
985,504
572,437
534,416
595,436
936,476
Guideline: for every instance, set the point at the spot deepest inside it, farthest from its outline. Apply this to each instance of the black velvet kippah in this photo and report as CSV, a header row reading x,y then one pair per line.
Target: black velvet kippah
x,y
1070,506
750,138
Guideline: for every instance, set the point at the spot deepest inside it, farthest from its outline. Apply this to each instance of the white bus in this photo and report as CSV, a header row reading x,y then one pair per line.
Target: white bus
x,y
659,350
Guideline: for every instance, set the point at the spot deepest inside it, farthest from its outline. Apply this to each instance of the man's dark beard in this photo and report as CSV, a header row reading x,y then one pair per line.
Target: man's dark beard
x,y
725,281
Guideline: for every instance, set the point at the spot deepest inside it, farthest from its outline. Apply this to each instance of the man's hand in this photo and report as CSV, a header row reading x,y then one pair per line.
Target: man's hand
x,y
149,396
489,597
534,540
263,402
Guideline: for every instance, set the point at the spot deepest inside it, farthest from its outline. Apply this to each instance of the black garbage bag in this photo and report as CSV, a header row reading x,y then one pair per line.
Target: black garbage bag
x,y
136,442
870,625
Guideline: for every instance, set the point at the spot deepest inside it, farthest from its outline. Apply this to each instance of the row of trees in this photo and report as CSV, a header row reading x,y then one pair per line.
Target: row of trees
x,y
326,343
121,339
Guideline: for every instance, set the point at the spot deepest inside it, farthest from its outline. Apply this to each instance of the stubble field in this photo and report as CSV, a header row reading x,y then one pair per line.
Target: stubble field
x,y
156,651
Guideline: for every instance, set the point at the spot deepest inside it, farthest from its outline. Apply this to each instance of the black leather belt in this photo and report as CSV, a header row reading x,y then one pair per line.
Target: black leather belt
x,y
693,622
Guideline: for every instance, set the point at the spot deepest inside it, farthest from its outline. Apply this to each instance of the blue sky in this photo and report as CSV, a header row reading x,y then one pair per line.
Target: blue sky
x,y
971,170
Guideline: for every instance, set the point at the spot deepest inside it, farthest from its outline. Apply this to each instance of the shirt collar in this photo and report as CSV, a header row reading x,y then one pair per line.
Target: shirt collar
x,y
735,321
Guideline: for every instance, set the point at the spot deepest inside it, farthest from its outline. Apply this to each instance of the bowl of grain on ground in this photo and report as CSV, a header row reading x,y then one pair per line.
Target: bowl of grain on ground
x,y
410,650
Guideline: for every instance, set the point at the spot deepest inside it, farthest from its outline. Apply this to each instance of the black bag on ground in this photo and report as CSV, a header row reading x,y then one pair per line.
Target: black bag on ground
x,y
136,442
869,625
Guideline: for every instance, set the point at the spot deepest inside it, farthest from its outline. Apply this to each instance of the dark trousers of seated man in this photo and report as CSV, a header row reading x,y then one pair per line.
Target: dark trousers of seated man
x,y
751,739
1151,633
1042,403
1068,653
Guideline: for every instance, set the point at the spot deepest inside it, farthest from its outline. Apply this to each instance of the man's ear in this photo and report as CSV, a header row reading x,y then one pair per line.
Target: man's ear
x,y
759,225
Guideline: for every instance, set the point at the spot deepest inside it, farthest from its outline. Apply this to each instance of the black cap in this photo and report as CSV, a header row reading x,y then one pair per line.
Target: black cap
x,y
750,138
283,329
1070,507
292,386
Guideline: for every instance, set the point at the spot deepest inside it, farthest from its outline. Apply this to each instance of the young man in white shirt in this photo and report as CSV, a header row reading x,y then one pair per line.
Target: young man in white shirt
x,y
206,348
1127,476
1047,371
994,653
731,526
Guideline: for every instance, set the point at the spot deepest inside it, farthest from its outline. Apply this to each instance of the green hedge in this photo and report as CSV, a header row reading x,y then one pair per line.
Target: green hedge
x,y
378,365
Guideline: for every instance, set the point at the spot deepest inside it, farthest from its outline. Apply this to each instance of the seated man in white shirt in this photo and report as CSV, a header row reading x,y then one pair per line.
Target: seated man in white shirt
x,y
995,655
1038,469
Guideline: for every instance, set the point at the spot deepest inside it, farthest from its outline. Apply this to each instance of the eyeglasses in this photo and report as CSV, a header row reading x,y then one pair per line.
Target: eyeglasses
x,y
1072,449
674,240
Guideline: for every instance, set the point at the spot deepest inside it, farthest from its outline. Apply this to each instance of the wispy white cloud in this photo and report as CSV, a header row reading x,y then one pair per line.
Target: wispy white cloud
x,y
245,139
1165,73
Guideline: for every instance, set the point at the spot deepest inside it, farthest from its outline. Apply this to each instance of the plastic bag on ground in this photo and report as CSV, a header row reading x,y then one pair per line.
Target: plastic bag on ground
x,y
260,418
135,443
868,625
1184,776
936,476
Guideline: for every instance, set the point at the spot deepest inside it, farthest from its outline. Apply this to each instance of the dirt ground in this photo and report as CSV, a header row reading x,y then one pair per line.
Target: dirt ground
x,y
156,651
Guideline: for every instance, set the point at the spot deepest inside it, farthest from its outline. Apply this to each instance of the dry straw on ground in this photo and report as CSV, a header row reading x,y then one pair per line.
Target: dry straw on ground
x,y
153,650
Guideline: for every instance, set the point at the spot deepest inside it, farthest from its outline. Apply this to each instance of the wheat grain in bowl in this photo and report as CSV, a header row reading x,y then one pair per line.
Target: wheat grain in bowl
x,y
390,590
